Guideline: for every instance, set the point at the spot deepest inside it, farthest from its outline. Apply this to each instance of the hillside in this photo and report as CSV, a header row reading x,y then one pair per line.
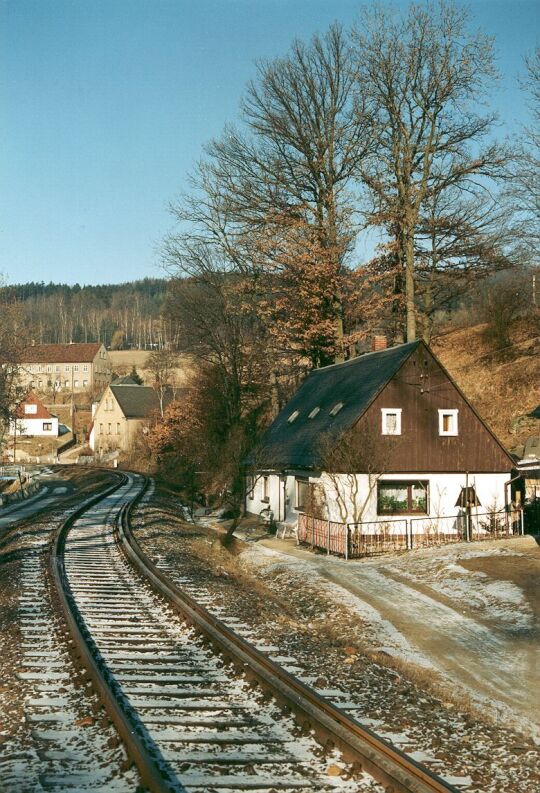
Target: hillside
x,y
502,386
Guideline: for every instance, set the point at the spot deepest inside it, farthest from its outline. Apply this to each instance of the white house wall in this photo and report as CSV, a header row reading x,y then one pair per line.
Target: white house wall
x,y
444,491
33,427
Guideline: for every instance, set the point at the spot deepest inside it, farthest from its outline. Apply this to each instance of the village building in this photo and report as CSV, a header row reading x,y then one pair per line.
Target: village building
x,y
33,419
68,368
387,435
123,410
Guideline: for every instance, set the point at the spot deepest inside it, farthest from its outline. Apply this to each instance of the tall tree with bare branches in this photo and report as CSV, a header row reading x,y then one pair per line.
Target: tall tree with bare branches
x,y
426,77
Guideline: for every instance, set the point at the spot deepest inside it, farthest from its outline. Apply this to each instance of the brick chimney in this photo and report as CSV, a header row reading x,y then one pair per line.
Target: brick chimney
x,y
378,343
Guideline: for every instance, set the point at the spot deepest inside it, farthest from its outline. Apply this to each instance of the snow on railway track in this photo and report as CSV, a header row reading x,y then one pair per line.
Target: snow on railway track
x,y
59,745
201,726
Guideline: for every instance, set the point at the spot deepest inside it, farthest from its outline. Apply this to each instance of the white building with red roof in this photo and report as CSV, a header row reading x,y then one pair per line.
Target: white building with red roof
x,y
32,418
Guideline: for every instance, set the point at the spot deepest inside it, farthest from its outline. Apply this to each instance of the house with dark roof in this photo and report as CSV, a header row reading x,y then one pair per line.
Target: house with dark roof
x,y
385,435
65,367
123,410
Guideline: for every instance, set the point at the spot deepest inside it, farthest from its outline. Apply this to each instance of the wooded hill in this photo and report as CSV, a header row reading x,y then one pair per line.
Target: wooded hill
x,y
119,315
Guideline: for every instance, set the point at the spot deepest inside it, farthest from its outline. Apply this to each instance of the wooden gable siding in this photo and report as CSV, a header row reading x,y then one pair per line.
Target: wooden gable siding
x,y
420,388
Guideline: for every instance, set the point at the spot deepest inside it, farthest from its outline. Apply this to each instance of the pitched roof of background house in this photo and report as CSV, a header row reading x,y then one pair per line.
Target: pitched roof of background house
x,y
41,410
126,380
60,353
136,401
294,442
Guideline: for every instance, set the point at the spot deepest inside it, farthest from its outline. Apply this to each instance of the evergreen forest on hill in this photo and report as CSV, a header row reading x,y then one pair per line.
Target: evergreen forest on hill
x,y
119,315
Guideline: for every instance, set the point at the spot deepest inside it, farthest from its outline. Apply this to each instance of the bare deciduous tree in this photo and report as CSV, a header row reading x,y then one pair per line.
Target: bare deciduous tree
x,y
13,338
426,76
360,451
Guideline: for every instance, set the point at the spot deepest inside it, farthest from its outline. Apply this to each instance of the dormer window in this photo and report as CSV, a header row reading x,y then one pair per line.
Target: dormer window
x,y
448,422
293,416
335,410
30,409
391,421
314,413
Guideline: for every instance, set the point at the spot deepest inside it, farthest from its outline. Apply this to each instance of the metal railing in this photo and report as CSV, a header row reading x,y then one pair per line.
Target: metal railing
x,y
368,538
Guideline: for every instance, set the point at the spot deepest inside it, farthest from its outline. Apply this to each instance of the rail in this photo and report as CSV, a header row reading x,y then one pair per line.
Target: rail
x,y
358,744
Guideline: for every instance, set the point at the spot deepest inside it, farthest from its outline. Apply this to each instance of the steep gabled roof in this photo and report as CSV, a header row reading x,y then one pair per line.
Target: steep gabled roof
x,y
41,411
294,440
136,401
61,353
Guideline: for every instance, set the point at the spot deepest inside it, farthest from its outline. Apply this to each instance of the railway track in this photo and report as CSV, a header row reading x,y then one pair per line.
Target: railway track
x,y
177,683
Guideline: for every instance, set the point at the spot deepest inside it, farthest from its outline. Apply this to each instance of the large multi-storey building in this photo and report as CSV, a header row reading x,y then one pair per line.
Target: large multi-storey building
x,y
65,367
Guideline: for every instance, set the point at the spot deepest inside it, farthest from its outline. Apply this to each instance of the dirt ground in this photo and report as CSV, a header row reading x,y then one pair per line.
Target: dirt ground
x,y
470,612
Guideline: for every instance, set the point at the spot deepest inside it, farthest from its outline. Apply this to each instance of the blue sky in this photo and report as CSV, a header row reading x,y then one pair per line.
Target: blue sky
x,y
105,107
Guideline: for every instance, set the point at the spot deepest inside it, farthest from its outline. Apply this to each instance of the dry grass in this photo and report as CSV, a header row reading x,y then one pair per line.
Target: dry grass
x,y
501,386
123,360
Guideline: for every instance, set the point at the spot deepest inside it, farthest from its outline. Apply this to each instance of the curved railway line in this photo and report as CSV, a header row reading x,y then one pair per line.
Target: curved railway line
x,y
197,706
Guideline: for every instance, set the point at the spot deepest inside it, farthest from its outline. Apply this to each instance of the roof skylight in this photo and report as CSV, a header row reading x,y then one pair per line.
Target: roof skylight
x,y
293,416
314,413
335,410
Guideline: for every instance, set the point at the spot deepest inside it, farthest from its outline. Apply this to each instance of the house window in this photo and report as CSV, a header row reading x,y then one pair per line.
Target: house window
x,y
47,426
249,486
110,425
66,383
67,368
101,429
39,368
40,383
402,498
265,490
302,494
85,367
56,368
49,368
85,383
75,383
448,422
76,367
391,421
118,428
30,408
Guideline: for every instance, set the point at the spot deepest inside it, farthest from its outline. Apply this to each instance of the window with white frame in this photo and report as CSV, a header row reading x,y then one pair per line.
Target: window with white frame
x,y
391,421
249,485
448,422
265,489
30,408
